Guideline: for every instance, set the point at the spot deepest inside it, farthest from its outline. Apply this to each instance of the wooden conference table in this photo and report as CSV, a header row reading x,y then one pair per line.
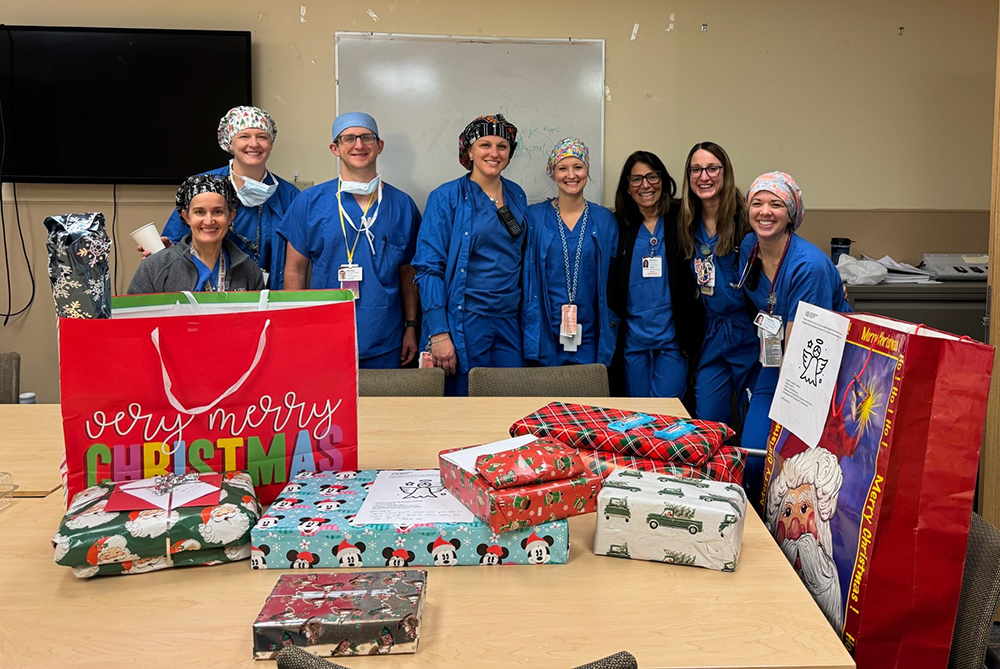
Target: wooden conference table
x,y
537,616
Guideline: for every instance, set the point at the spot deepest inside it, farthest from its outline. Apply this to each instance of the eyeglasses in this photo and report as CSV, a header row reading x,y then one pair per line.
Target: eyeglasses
x,y
367,138
652,178
712,170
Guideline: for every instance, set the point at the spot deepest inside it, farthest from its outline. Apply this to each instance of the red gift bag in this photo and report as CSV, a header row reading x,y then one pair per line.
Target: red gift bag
x,y
265,384
875,518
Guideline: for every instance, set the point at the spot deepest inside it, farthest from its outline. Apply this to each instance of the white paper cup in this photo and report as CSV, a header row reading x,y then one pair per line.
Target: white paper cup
x,y
148,237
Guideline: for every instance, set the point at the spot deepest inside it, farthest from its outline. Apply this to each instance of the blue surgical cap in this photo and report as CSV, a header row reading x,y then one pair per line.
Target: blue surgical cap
x,y
353,120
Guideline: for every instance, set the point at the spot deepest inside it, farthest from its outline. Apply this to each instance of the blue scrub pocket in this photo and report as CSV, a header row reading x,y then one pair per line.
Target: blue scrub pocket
x,y
387,263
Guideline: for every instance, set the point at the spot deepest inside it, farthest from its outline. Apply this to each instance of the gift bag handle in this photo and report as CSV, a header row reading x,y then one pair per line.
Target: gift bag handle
x,y
192,301
168,384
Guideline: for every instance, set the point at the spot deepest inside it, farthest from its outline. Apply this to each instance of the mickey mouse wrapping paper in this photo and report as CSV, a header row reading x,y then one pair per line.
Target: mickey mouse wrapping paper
x,y
98,536
310,526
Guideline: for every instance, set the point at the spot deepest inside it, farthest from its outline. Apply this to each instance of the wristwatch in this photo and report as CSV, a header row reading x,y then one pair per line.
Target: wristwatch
x,y
410,324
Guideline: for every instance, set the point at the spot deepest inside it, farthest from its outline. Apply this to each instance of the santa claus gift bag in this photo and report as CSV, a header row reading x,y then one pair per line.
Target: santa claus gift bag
x,y
870,494
211,382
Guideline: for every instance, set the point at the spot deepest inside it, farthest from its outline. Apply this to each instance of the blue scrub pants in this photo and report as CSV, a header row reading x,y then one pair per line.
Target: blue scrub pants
x,y
490,341
388,360
756,430
655,373
728,357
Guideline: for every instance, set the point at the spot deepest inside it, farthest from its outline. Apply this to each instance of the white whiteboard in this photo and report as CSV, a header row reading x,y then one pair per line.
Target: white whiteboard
x,y
424,89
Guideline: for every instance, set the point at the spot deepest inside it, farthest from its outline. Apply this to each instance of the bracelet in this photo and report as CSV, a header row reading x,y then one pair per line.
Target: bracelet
x,y
410,324
440,339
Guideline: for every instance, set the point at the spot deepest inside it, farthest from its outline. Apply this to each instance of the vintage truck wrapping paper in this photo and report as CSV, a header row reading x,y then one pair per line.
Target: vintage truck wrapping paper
x,y
680,440
509,509
663,518
97,536
724,464
78,250
311,525
542,460
346,613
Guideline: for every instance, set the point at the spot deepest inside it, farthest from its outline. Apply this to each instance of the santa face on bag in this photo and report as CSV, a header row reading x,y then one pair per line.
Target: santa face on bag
x,y
223,524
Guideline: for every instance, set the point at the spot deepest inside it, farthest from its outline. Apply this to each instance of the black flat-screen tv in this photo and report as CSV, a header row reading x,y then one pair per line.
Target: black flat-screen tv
x,y
116,105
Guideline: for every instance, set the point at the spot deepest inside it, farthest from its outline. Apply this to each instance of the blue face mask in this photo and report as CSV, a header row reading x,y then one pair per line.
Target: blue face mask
x,y
255,193
359,187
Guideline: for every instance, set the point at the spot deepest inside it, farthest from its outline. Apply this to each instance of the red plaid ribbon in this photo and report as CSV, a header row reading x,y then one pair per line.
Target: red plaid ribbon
x,y
725,464
586,427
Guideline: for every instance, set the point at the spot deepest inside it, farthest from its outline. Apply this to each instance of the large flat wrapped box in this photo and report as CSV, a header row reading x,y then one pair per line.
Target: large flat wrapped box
x,y
516,508
638,440
167,521
646,516
412,520
346,613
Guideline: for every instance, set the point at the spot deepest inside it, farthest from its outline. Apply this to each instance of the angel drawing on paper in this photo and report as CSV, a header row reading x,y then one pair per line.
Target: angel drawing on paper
x,y
813,364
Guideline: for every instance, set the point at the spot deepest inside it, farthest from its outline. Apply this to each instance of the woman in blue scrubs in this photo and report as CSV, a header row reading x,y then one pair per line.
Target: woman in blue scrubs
x,y
712,223
248,134
653,291
468,260
571,243
778,269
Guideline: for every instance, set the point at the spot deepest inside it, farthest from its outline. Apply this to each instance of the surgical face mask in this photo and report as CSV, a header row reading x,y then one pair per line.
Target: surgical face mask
x,y
359,187
255,193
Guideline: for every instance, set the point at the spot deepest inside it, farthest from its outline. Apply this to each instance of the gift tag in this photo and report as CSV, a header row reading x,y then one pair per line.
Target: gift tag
x,y
767,325
675,431
652,267
570,344
631,421
770,351
567,326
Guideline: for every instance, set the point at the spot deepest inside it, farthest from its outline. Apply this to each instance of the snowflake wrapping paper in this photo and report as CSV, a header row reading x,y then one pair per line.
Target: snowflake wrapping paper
x,y
78,265
346,613
663,518
508,509
94,539
310,525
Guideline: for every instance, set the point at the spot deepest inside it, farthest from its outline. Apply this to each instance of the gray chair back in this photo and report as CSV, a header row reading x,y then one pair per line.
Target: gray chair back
x,y
401,382
563,381
10,377
977,604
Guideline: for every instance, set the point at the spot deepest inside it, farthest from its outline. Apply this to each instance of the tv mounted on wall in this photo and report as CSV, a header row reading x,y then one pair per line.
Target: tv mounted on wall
x,y
116,105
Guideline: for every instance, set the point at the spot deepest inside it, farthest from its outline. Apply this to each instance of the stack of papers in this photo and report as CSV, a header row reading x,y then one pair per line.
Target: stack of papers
x,y
901,272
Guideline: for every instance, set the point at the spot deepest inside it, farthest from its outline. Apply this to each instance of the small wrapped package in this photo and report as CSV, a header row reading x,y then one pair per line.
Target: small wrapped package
x,y
346,613
314,525
515,508
168,521
669,438
663,518
537,462
724,464
78,265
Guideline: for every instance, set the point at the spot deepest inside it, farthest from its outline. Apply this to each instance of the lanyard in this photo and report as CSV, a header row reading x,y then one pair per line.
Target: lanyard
x,y
253,248
571,286
365,223
772,299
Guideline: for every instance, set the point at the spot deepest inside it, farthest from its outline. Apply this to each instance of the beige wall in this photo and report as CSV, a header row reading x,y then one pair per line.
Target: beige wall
x,y
888,135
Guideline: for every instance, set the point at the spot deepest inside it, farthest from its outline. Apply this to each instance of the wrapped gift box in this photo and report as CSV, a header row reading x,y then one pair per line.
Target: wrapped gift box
x,y
683,441
346,613
516,508
168,521
311,526
663,518
724,464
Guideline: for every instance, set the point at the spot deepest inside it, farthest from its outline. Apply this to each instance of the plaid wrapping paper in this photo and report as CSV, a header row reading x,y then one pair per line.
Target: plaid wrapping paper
x,y
586,427
725,464
541,460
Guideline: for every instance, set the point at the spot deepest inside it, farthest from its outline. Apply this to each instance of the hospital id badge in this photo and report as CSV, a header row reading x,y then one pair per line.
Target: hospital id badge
x,y
350,279
652,267
572,342
767,325
567,326
704,270
770,351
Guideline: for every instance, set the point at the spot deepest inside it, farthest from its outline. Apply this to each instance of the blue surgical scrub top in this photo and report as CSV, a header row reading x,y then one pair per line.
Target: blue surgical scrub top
x,y
494,284
650,314
725,300
586,291
312,227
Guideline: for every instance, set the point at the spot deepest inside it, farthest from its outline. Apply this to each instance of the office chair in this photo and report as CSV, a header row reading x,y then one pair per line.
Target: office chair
x,y
564,381
10,377
401,382
977,604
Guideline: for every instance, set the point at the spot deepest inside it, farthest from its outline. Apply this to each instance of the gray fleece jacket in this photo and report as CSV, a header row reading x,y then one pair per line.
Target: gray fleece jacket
x,y
173,270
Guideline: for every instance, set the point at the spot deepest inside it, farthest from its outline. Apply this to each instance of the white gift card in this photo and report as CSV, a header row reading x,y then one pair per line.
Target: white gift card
x,y
178,496
809,372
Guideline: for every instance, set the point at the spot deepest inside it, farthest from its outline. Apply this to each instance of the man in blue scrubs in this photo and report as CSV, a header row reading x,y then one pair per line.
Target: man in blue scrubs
x,y
359,233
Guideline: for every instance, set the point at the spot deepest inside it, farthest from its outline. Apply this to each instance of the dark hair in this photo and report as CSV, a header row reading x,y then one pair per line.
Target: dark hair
x,y
626,209
731,223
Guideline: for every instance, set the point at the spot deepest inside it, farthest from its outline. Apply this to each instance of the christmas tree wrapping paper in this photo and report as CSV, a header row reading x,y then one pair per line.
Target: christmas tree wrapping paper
x,y
662,518
517,508
78,265
345,613
313,524
140,526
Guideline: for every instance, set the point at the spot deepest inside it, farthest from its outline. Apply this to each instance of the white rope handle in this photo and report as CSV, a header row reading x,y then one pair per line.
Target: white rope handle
x,y
168,384
262,300
195,306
